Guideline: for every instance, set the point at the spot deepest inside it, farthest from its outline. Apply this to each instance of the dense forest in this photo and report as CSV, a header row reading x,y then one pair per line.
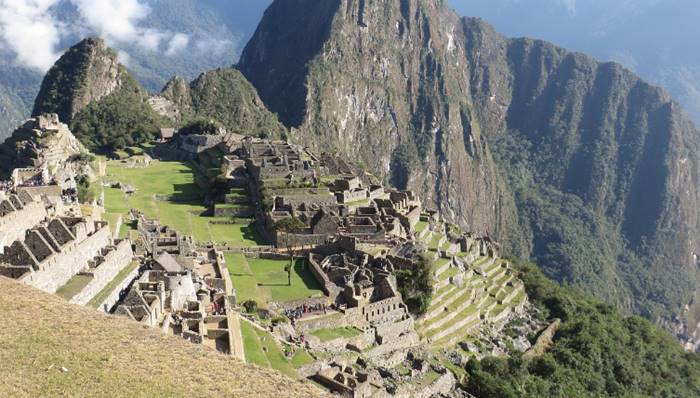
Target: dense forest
x,y
122,119
597,351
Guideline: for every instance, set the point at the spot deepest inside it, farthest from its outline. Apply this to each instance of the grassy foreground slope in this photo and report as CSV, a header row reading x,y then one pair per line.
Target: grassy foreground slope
x,y
110,356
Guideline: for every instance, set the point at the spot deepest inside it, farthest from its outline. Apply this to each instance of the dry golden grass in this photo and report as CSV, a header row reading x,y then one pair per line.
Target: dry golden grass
x,y
108,356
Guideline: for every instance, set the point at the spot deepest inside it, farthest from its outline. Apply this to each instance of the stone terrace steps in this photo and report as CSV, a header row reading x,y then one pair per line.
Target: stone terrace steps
x,y
438,308
464,317
465,301
441,265
458,335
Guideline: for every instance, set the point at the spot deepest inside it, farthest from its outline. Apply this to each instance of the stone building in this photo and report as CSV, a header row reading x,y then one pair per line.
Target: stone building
x,y
54,251
188,295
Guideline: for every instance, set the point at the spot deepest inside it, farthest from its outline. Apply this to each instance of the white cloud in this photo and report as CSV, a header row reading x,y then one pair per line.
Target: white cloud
x,y
570,6
178,43
114,20
124,58
29,30
214,46
33,34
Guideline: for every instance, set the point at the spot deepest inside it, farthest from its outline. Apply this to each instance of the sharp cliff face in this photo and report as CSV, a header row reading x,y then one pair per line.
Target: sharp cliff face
x,y
87,72
224,95
577,164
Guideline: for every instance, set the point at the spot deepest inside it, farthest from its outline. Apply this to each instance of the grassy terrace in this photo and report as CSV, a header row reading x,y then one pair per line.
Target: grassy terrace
x,y
182,211
471,310
421,226
266,280
261,349
330,334
74,286
439,263
102,295
435,241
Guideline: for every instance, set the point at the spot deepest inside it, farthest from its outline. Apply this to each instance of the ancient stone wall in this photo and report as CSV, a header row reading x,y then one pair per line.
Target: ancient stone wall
x,y
116,294
105,272
59,268
327,286
331,321
226,211
14,224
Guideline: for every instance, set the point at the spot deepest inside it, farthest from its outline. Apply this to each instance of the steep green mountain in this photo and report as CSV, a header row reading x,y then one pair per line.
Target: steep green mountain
x,y
576,164
226,96
104,106
85,73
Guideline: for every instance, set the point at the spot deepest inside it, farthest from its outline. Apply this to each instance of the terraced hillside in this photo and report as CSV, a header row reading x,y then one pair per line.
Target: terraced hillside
x,y
472,288
52,348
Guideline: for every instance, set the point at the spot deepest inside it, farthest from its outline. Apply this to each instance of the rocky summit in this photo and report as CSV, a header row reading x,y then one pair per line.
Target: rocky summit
x,y
577,164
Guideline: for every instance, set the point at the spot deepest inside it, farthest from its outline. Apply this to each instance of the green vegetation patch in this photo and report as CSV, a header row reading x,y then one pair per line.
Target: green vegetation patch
x,y
597,351
271,276
244,280
185,211
262,349
74,286
329,334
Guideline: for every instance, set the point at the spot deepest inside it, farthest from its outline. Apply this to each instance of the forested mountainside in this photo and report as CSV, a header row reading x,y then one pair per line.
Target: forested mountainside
x,y
594,351
12,109
576,164
108,110
225,96
95,95
216,32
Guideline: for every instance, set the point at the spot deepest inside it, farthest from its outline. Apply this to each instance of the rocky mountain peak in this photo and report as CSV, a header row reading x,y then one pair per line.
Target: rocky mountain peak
x,y
85,73
576,164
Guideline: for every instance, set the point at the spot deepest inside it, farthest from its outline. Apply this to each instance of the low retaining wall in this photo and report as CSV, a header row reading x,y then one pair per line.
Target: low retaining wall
x,y
114,262
115,295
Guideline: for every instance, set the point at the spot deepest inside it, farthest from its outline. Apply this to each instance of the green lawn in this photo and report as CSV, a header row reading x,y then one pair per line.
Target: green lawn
x,y
74,286
102,295
266,280
262,350
244,280
183,212
329,334
421,226
271,276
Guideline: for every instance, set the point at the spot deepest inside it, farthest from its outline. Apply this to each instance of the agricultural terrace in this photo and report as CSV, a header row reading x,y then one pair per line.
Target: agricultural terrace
x,y
167,191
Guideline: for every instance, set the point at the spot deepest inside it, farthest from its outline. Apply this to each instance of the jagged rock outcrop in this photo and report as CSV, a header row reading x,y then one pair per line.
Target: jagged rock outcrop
x,y
226,96
42,141
577,164
87,72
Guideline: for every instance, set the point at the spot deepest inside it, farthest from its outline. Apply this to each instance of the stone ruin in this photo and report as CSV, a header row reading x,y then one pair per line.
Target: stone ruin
x,y
185,291
53,249
154,238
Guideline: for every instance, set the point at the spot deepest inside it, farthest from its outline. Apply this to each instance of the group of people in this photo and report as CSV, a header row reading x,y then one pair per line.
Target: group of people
x,y
218,309
304,309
